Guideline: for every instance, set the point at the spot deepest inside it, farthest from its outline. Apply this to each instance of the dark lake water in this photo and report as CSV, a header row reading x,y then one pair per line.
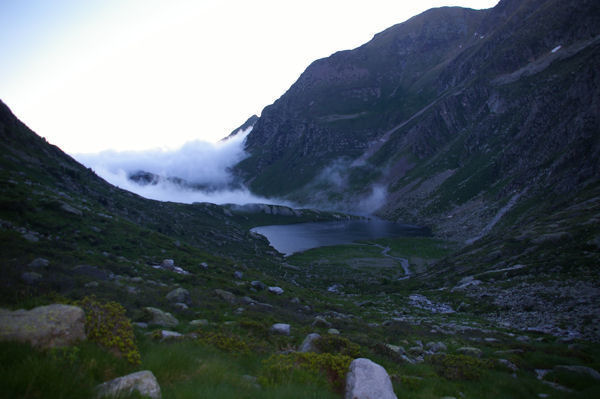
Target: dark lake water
x,y
291,238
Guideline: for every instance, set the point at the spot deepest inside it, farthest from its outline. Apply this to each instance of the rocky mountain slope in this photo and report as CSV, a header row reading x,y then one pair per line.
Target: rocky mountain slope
x,y
451,119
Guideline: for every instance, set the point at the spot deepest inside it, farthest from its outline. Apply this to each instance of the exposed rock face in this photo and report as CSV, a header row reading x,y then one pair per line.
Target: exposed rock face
x,y
160,318
144,382
44,326
368,380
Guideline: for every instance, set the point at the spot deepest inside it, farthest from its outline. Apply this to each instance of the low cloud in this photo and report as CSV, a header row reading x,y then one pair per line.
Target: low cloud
x,y
198,163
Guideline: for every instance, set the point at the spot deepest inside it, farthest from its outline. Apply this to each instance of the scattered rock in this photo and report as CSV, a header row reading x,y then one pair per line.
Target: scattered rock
x,y
39,262
276,290
200,322
93,272
415,350
508,364
44,326
308,345
368,380
70,209
166,334
333,331
258,285
579,370
141,324
30,237
469,351
321,322
91,284
421,302
31,277
180,306
225,295
295,300
238,274
143,382
395,348
280,328
160,318
204,265
179,295
436,347
168,264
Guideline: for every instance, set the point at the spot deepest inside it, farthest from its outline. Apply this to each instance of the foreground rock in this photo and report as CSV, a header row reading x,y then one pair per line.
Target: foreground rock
x,y
160,318
308,345
368,380
143,382
44,326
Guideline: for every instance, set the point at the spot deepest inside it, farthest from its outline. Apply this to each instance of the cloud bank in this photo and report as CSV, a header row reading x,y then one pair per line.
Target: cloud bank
x,y
198,163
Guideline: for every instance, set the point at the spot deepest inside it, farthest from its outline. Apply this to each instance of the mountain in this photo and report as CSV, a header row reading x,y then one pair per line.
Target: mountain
x,y
459,116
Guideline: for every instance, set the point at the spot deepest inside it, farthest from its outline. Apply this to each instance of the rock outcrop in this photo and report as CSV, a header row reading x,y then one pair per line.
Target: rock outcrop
x,y
368,380
45,326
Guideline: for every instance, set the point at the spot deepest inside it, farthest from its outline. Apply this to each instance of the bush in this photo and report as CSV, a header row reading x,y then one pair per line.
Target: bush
x,y
336,344
459,367
227,343
280,368
107,325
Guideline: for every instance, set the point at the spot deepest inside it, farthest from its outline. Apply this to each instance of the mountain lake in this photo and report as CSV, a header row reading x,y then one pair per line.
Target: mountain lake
x,y
291,238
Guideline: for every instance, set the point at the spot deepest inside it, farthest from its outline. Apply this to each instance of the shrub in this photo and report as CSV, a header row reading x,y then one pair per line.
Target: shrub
x,y
107,325
459,367
227,343
279,368
336,344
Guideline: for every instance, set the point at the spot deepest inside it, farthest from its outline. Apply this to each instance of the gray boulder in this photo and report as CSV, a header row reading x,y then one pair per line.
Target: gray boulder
x,y
31,278
258,285
276,290
225,295
200,322
436,347
158,317
143,382
308,345
321,322
333,331
280,328
45,326
368,380
179,295
38,263
168,264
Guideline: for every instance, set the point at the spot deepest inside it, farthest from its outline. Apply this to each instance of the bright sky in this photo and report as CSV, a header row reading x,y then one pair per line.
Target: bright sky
x,y
91,75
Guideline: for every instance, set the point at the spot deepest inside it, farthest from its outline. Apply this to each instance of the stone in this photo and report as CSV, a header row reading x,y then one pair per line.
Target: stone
x,y
93,272
280,328
31,277
45,326
321,322
308,345
225,295
91,284
179,295
579,370
168,264
181,306
144,382
508,364
31,237
166,334
368,380
436,347
200,322
415,350
333,331
70,209
395,348
276,290
39,262
160,318
141,324
238,274
469,351
258,285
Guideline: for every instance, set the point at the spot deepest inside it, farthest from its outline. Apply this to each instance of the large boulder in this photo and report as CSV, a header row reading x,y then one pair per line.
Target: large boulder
x,y
158,317
308,345
45,326
180,295
280,328
368,380
144,382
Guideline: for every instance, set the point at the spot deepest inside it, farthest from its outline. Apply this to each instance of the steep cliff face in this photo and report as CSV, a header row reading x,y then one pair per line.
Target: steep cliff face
x,y
450,118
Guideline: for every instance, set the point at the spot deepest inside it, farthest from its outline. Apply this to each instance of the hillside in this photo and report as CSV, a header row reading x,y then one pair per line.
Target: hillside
x,y
454,114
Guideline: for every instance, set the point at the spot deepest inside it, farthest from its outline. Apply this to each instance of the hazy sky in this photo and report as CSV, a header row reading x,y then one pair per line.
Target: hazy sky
x,y
91,75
